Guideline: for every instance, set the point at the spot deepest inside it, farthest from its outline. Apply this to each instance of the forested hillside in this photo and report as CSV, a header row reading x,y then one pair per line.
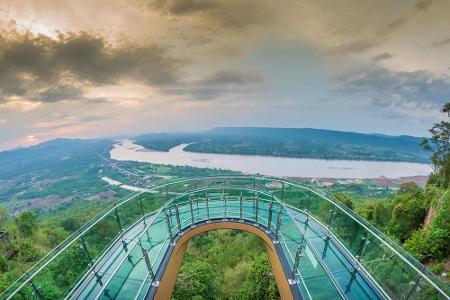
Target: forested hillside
x,y
226,264
419,219
293,142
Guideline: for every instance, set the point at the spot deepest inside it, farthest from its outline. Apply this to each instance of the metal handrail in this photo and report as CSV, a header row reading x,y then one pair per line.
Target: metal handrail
x,y
396,249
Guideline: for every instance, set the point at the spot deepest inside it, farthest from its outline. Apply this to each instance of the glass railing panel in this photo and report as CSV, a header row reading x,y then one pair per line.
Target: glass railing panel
x,y
63,273
121,274
152,201
350,232
156,234
316,279
130,212
101,235
321,209
388,269
423,289
233,207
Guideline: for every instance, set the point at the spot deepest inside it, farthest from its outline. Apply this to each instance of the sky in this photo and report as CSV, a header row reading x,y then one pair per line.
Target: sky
x,y
83,68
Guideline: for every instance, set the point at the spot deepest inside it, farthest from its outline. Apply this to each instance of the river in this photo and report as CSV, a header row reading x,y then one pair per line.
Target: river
x,y
126,150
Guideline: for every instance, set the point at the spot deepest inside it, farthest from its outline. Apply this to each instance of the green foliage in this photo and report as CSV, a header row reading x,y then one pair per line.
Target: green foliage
x,y
3,265
26,222
70,224
259,284
408,187
4,217
376,212
439,145
344,200
231,256
196,281
54,236
434,243
28,252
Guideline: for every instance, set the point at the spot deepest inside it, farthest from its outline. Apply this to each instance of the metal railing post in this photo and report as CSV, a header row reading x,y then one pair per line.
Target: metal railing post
x,y
147,261
124,245
224,202
85,249
117,216
269,217
362,246
277,229
142,209
192,210
330,221
298,255
240,207
177,213
36,290
207,206
282,191
169,227
256,209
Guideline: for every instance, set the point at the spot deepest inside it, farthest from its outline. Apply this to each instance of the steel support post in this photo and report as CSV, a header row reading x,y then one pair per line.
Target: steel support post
x,y
36,290
240,207
269,217
141,205
277,229
256,209
192,210
298,255
362,246
117,216
169,227
177,212
330,221
85,249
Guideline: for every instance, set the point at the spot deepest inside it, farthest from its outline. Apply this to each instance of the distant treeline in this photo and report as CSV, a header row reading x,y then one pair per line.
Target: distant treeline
x,y
293,142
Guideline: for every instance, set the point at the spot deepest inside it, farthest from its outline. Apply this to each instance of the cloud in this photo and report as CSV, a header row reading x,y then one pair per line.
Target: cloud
x,y
223,14
43,69
379,32
383,56
220,83
441,43
419,89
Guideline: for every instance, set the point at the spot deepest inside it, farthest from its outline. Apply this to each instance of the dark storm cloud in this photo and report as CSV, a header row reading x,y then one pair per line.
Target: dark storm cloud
x,y
224,82
48,70
226,14
383,56
389,88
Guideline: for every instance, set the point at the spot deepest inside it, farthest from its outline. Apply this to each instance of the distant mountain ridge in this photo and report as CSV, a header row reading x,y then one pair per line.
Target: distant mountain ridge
x,y
293,142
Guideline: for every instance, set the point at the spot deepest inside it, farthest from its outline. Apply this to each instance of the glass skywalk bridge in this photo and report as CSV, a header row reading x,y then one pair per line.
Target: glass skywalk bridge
x,y
318,248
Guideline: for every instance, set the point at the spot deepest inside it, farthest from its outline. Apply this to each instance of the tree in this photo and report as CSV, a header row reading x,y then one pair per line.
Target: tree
x,y
376,212
407,215
195,281
259,284
446,108
439,145
344,200
27,223
408,187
